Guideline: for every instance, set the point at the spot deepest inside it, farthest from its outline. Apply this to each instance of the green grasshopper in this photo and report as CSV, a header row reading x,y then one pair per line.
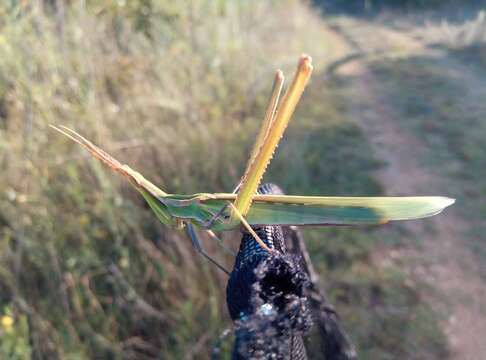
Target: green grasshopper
x,y
243,207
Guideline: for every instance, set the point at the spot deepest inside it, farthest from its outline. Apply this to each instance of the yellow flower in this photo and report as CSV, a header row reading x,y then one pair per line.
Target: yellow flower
x,y
6,321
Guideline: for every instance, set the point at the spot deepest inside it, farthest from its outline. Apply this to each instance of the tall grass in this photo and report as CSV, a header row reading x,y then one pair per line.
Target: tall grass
x,y
174,88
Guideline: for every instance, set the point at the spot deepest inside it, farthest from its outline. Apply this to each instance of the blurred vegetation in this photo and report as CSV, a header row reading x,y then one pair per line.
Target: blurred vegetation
x,y
373,6
464,32
442,99
177,90
450,122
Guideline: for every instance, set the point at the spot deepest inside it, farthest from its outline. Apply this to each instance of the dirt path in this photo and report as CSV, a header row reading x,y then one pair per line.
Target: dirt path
x,y
444,261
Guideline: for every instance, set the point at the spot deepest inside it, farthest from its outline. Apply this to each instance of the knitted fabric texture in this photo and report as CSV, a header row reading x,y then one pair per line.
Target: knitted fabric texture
x,y
266,297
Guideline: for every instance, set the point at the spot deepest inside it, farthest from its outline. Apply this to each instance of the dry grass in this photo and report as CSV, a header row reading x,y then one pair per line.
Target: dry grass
x,y
454,34
176,90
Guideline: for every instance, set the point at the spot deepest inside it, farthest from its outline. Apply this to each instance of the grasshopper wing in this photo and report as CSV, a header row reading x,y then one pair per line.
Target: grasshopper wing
x,y
314,210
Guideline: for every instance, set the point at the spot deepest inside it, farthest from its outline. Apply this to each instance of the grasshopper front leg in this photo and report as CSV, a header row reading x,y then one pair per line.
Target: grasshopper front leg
x,y
248,227
197,246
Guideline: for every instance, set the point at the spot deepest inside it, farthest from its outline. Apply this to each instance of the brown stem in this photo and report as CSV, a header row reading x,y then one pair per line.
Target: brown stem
x,y
335,342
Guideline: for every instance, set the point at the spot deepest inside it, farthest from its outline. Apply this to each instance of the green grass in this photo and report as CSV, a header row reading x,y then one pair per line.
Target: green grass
x,y
177,91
